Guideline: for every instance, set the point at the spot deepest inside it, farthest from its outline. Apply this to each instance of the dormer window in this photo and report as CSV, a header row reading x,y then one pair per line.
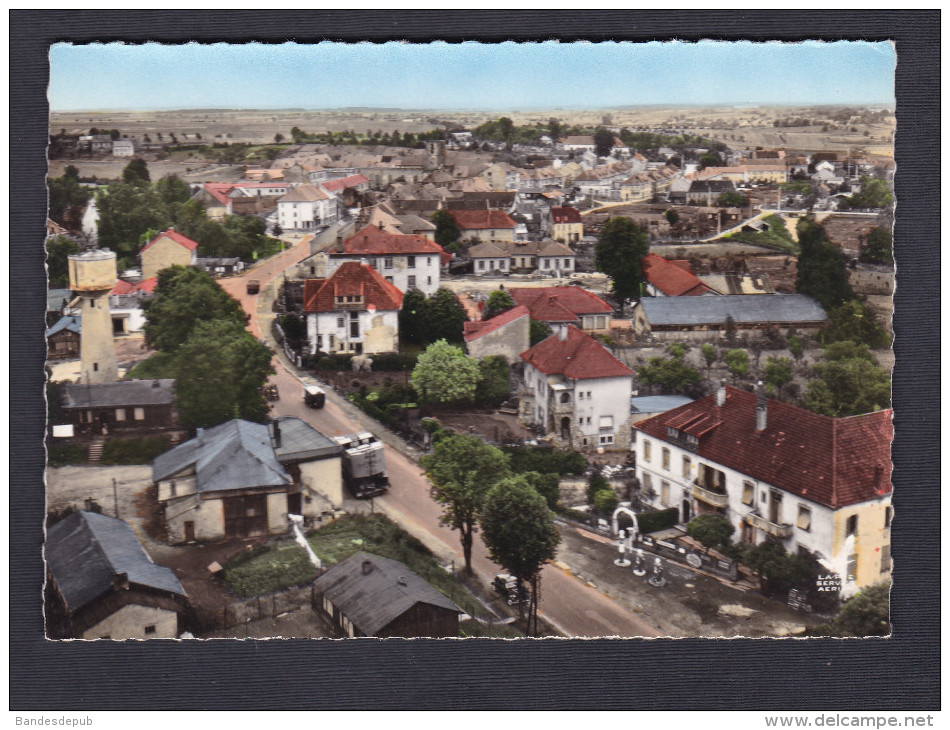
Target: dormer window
x,y
672,433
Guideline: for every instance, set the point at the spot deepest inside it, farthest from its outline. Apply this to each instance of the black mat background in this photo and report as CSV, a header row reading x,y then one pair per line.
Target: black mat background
x,y
900,673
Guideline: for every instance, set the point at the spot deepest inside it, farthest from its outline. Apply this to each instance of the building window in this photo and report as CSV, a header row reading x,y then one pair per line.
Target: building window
x,y
95,367
567,263
646,450
580,395
150,629
885,558
647,483
687,467
852,568
412,282
665,493
388,262
888,516
804,518
429,280
851,526
389,279
139,414
481,265
120,414
173,490
411,262
606,424
666,459
748,492
606,439
340,322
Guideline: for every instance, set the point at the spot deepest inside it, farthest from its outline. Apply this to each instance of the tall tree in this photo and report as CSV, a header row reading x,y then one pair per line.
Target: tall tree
x,y
136,172
462,469
184,297
852,320
444,374
499,301
445,316
671,374
618,252
847,382
172,189
412,317
220,370
778,372
537,331
446,229
58,249
65,192
125,213
878,249
519,531
822,273
737,362
495,381
603,142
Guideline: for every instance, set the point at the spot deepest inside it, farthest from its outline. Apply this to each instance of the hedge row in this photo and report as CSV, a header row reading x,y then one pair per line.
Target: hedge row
x,y
132,451
544,459
382,363
660,520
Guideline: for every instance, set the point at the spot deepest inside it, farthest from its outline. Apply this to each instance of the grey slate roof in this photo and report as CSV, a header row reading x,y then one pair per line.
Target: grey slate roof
x,y
743,308
657,403
299,441
56,299
711,186
236,454
374,600
73,324
85,551
121,393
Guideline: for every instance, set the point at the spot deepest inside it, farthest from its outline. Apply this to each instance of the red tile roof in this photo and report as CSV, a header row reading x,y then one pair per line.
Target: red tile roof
x,y
176,237
373,241
474,330
470,220
559,303
566,214
351,279
673,278
219,191
125,287
344,182
578,357
831,461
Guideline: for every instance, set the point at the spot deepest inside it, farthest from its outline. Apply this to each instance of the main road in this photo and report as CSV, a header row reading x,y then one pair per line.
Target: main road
x,y
572,607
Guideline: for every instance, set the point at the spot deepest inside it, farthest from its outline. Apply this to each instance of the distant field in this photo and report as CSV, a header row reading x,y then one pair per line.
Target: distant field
x,y
742,125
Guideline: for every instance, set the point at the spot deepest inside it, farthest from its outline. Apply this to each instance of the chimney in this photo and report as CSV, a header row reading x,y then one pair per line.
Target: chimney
x,y
367,567
761,407
721,394
120,582
200,435
277,439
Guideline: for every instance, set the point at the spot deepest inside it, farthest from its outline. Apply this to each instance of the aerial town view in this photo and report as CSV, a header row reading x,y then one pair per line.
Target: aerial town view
x,y
506,354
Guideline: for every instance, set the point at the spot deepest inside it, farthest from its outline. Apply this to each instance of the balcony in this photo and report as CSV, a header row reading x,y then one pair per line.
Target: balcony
x,y
710,497
770,528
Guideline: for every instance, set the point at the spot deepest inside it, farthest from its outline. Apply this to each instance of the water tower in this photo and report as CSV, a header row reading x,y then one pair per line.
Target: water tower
x,y
92,275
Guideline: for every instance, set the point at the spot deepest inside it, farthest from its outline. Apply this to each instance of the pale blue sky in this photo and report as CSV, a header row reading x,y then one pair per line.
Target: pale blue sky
x,y
468,75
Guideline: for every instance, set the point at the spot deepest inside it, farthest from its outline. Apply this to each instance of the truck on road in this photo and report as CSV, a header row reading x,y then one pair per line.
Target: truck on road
x,y
364,464
313,395
253,286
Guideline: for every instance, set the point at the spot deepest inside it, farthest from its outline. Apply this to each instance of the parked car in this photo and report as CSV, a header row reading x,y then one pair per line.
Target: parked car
x,y
511,589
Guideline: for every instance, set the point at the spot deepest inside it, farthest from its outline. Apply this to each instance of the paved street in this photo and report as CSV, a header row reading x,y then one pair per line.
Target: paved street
x,y
569,605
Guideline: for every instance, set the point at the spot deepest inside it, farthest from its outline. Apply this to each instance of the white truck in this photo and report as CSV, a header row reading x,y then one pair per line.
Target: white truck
x,y
364,464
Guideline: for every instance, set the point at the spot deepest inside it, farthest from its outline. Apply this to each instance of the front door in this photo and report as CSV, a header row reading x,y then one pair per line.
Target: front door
x,y
189,531
245,516
294,504
686,512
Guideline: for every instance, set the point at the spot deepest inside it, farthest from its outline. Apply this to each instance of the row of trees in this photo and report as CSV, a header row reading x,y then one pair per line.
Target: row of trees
x,y
423,320
474,483
409,139
199,332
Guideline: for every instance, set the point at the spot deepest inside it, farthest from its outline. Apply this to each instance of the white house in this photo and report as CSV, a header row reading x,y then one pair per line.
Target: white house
x,y
123,148
355,310
306,208
576,392
817,485
408,261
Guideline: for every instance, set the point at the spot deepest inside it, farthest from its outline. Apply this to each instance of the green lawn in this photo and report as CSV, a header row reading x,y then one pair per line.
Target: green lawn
x,y
776,238
277,566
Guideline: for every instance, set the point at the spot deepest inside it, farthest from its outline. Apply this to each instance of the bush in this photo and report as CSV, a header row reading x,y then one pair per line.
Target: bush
x,y
132,451
605,501
394,361
63,454
545,459
657,520
596,483
332,362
